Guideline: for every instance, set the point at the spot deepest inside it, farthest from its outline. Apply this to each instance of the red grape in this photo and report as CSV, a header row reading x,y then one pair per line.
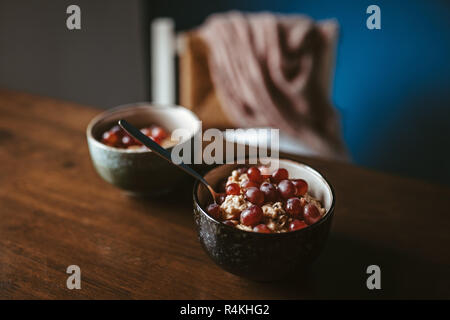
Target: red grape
x,y
233,189
280,175
128,141
254,175
287,189
294,207
117,129
297,225
311,214
255,196
146,131
158,133
156,140
251,216
301,187
261,228
270,192
214,210
249,184
110,138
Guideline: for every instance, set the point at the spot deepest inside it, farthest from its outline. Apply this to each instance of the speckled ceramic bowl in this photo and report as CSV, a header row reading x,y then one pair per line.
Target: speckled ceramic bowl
x,y
259,256
140,171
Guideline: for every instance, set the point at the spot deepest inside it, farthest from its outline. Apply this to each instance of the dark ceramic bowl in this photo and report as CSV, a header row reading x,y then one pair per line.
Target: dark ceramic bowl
x,y
259,256
139,171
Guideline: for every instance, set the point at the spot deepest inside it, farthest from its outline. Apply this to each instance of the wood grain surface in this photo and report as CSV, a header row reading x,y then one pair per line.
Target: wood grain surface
x,y
56,211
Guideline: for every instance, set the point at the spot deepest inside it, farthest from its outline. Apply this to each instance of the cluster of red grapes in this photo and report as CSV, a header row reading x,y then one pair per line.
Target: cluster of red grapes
x,y
118,138
258,191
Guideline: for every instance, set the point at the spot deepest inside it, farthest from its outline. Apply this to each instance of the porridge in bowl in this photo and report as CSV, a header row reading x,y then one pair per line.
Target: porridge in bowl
x,y
255,200
117,137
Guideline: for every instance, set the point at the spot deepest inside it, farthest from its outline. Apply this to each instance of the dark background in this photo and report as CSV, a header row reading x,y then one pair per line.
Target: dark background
x,y
391,86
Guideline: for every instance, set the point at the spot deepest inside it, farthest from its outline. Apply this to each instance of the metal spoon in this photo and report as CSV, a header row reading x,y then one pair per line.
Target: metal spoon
x,y
163,153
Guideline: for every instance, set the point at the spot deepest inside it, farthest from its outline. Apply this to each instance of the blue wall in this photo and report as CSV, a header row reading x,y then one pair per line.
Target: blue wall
x,y
392,86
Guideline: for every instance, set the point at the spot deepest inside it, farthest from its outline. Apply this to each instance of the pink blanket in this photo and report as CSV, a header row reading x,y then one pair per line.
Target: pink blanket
x,y
271,70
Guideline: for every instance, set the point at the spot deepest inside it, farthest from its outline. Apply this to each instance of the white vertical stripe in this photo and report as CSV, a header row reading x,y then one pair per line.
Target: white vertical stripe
x,y
163,60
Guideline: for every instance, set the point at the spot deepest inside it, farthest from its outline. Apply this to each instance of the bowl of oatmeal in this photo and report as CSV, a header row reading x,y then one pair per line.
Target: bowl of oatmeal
x,y
124,162
267,223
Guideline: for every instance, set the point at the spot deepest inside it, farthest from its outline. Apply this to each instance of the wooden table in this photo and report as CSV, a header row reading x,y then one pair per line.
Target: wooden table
x,y
56,211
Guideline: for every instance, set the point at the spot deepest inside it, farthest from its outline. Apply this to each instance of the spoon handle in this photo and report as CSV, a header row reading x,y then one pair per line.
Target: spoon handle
x,y
160,151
